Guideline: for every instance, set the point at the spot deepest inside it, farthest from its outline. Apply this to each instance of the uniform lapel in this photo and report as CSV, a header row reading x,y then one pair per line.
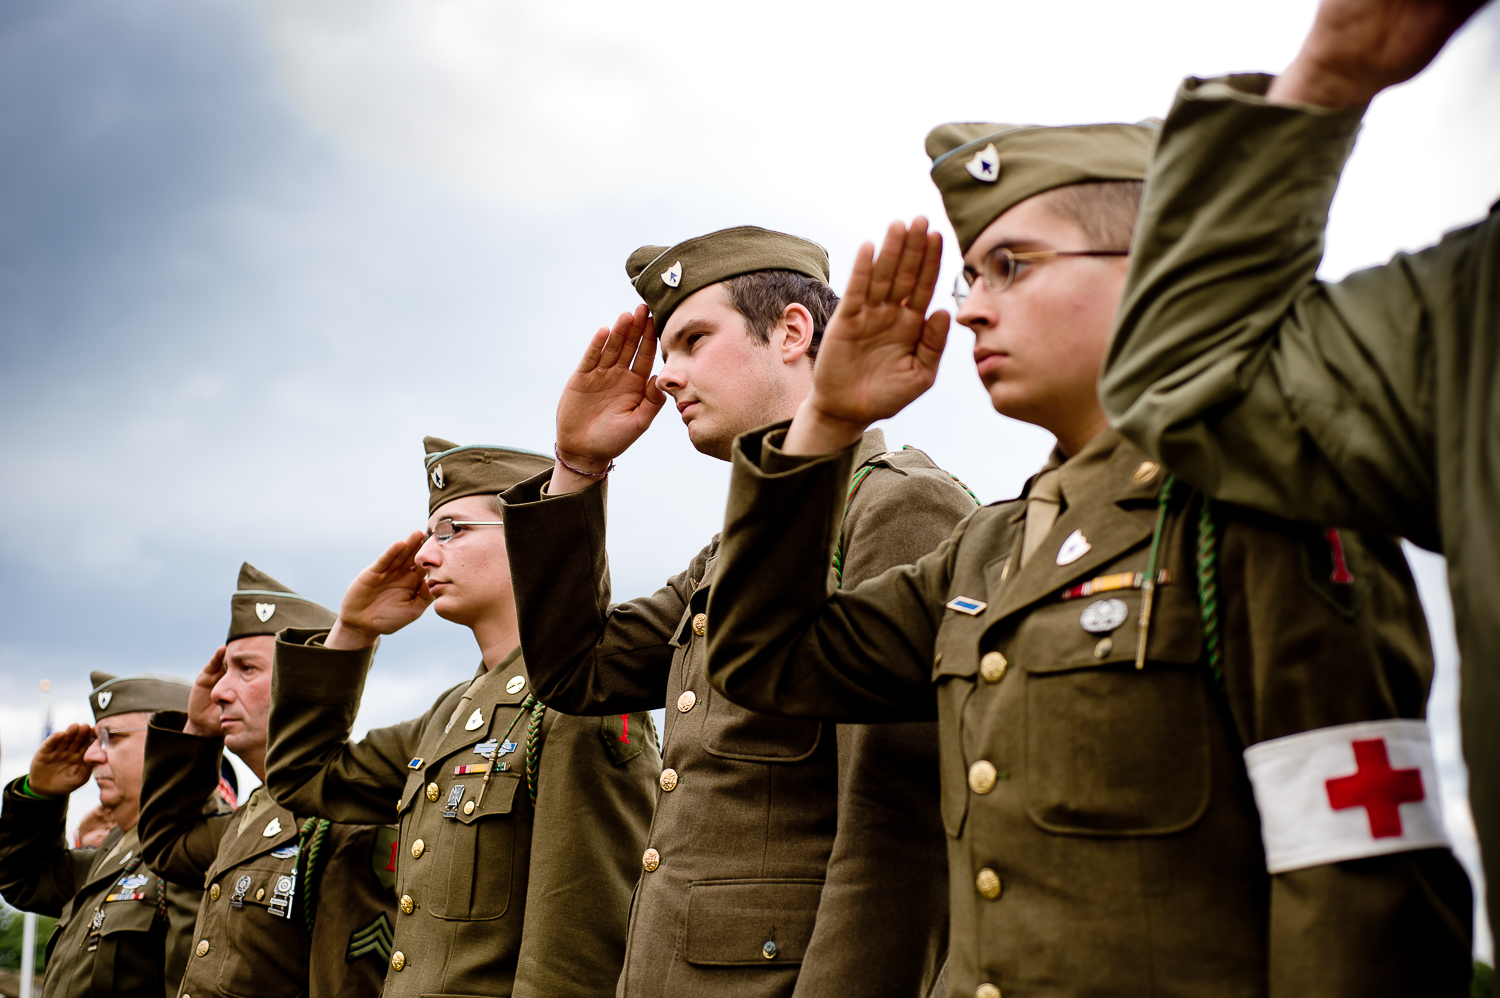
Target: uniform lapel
x,y
251,839
113,857
1096,484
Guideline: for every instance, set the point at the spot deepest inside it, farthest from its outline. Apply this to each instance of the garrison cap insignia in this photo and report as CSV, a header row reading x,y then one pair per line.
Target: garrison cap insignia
x,y
476,720
105,698
965,604
437,476
673,275
272,828
985,165
1103,616
264,611
1074,546
516,684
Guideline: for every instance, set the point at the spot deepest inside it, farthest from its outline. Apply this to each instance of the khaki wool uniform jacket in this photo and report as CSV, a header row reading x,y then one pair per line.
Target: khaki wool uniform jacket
x,y
496,896
785,857
1370,402
249,942
121,930
1102,834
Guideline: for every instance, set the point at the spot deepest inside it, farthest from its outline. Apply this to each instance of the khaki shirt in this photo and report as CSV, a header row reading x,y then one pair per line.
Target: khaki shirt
x,y
496,896
121,930
1102,835
251,939
1368,402
785,857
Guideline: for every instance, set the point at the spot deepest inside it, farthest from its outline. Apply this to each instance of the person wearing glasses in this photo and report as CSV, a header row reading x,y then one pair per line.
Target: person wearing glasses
x,y
122,930
292,905
1183,749
520,828
784,857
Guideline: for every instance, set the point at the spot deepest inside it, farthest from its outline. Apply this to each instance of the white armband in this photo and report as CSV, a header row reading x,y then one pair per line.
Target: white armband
x,y
1346,792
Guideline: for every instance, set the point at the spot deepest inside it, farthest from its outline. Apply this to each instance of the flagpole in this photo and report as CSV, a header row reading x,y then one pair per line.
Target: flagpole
x,y
28,920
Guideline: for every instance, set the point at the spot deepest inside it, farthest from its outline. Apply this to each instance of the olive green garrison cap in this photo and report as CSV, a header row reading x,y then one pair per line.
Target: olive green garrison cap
x,y
665,275
113,695
983,169
261,605
476,470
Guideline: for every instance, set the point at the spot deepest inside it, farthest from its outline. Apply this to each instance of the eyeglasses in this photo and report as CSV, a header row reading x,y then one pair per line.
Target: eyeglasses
x,y
106,735
1002,265
444,531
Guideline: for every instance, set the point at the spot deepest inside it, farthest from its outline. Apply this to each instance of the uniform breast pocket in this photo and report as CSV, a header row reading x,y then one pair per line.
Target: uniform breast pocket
x,y
732,732
1112,750
475,852
260,955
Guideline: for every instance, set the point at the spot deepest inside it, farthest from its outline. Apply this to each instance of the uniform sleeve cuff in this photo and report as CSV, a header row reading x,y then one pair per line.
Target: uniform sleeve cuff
x,y
306,670
1251,88
760,450
20,790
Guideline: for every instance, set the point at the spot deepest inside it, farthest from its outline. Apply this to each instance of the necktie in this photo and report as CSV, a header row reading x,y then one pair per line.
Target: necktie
x,y
1042,506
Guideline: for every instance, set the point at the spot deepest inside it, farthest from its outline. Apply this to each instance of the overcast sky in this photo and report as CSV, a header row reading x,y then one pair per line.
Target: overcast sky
x,y
250,253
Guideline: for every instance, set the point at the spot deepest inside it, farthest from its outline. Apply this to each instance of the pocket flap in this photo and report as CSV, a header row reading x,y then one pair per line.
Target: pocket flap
x,y
500,798
129,916
731,922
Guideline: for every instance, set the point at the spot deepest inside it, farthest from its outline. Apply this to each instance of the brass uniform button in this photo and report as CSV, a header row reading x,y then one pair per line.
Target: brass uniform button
x,y
669,780
407,904
988,884
260,895
650,860
686,701
1144,473
202,949
700,624
982,776
768,949
469,807
418,847
432,791
992,666
214,892
398,961
987,990
1104,647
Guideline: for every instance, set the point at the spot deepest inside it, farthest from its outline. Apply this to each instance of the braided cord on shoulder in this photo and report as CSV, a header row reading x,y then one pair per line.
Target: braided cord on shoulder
x,y
309,847
1208,588
533,742
854,484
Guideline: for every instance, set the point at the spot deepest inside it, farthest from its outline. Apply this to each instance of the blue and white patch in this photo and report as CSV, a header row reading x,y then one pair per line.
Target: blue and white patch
x,y
985,165
967,604
131,881
487,749
285,852
415,763
672,276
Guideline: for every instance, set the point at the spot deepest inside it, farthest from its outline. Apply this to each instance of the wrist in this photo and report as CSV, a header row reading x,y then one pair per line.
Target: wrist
x,y
1307,84
584,466
28,791
349,637
814,431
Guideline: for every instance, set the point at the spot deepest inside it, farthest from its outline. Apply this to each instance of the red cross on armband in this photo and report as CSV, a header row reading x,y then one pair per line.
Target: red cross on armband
x,y
1346,792
1377,788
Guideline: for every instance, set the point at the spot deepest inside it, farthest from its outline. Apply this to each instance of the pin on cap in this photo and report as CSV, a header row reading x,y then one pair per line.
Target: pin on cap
x,y
985,165
672,276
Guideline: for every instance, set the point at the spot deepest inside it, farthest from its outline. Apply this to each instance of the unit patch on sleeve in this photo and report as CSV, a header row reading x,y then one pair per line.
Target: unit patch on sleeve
x,y
624,735
383,855
1346,792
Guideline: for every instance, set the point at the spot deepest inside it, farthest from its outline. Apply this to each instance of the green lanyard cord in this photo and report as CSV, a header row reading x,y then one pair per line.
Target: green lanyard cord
x,y
1208,589
310,840
854,484
533,744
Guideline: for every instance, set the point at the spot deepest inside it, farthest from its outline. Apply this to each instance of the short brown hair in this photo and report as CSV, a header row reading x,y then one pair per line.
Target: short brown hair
x,y
1105,210
762,297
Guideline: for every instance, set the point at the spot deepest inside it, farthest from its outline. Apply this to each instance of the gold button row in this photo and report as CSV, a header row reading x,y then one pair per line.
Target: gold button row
x,y
686,701
700,624
992,666
988,884
398,962
202,948
650,860
407,904
987,990
214,892
669,780
982,776
418,848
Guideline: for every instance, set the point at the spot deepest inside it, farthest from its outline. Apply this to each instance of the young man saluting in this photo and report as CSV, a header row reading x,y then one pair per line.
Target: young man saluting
x,y
291,906
1182,748
520,827
785,857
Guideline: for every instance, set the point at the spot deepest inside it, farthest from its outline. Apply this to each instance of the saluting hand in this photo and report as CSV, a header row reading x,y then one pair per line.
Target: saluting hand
x,y
609,401
881,348
59,768
203,714
1357,48
383,598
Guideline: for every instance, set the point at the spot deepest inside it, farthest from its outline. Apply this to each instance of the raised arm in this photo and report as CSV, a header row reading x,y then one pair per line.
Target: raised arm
x,y
179,841
38,872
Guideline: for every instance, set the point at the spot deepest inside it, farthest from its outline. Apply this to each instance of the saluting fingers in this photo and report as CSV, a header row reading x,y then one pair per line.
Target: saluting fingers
x,y
932,262
883,275
858,291
595,350
909,263
614,347
645,354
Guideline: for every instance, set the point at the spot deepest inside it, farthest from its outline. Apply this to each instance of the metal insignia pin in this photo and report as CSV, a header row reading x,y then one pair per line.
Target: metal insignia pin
x,y
985,165
437,476
264,611
105,698
1103,616
273,827
672,276
1074,546
285,852
516,684
476,719
966,604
